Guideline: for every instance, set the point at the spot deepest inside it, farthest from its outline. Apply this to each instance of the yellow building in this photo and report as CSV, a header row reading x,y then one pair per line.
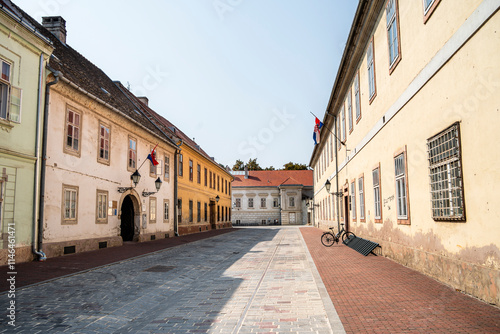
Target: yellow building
x,y
203,190
202,186
410,135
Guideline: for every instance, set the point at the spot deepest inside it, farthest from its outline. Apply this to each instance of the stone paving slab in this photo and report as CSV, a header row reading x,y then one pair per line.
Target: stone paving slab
x,y
258,280
373,294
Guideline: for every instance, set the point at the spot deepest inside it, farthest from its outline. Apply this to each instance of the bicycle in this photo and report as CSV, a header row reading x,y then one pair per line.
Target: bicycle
x,y
329,238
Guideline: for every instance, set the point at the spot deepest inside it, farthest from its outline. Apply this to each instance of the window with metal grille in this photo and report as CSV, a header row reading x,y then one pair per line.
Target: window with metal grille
x,y
445,172
376,193
238,203
401,198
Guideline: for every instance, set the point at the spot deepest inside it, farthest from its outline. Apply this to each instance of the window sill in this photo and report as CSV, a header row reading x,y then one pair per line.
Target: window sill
x,y
6,125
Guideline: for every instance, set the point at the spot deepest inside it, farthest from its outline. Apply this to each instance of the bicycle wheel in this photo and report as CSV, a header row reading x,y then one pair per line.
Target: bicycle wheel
x,y
347,237
327,239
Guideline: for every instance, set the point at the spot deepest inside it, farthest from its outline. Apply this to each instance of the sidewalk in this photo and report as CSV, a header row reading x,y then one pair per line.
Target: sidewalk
x,y
373,294
36,272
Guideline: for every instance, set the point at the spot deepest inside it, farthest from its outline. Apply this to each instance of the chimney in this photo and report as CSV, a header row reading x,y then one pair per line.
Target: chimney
x,y
246,172
56,25
143,99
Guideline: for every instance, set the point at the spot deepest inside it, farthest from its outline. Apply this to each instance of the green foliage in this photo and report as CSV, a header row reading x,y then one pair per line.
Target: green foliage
x,y
294,166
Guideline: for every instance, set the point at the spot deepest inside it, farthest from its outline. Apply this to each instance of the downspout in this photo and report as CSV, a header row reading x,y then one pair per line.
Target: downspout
x,y
38,248
336,170
37,162
176,223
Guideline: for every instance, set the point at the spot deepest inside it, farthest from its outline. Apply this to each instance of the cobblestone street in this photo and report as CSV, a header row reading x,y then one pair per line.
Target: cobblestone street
x,y
248,281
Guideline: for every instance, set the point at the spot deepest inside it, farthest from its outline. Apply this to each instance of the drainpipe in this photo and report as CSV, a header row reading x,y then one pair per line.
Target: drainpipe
x,y
37,248
176,223
336,170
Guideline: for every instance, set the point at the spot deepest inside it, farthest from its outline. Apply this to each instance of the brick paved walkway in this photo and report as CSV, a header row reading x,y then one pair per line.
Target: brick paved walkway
x,y
376,295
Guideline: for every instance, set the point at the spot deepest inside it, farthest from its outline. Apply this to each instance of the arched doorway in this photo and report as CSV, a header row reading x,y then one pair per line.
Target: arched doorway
x,y
127,219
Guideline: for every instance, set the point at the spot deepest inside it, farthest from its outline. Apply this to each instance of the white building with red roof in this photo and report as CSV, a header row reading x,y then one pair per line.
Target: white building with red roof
x,y
275,197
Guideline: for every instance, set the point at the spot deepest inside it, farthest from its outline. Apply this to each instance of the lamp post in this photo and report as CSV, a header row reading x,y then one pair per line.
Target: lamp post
x,y
157,186
135,177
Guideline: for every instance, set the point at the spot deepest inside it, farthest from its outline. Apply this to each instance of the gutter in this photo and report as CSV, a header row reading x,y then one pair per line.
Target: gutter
x,y
37,248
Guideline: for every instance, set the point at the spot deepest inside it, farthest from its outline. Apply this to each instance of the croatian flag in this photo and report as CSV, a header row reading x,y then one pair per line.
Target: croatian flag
x,y
152,156
317,127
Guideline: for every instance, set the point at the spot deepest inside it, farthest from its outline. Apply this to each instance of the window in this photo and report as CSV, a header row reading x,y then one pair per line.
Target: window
x,y
179,210
181,164
198,212
10,96
250,202
198,173
206,212
166,168
218,213
190,170
357,98
332,200
401,187
1,199
342,113
349,109
218,183
102,207
70,204
391,12
361,190
166,211
275,202
238,203
103,144
190,211
292,201
338,134
73,123
370,59
429,7
225,184
210,179
445,169
132,153
376,194
352,203
152,210
262,202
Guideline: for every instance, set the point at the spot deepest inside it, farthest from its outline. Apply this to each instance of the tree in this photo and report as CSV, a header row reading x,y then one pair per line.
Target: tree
x,y
270,168
294,166
253,164
239,165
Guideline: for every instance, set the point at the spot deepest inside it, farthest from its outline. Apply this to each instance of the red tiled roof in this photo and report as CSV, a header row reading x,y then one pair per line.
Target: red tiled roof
x,y
274,178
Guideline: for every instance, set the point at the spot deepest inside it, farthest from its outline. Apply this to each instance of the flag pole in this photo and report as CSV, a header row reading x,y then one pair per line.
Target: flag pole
x,y
330,130
147,158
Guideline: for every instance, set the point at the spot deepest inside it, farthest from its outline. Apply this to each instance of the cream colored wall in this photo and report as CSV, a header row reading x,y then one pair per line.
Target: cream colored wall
x,y
90,175
466,89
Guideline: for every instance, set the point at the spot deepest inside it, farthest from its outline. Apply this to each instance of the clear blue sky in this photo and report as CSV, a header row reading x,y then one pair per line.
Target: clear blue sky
x,y
239,76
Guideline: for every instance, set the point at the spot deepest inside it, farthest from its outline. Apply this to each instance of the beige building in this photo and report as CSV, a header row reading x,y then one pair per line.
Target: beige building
x,y
96,139
277,197
408,142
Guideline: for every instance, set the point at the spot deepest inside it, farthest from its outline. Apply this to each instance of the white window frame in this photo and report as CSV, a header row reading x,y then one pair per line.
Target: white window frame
x,y
166,211
263,203
102,207
349,111
152,210
342,113
10,94
166,167
401,183
104,145
391,11
357,97
132,154
74,127
370,60
353,200
69,209
250,202
377,194
237,203
361,192
428,5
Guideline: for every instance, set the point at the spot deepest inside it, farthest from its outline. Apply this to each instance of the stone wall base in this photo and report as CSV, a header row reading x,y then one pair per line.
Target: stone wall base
x,y
22,254
155,236
479,281
53,249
